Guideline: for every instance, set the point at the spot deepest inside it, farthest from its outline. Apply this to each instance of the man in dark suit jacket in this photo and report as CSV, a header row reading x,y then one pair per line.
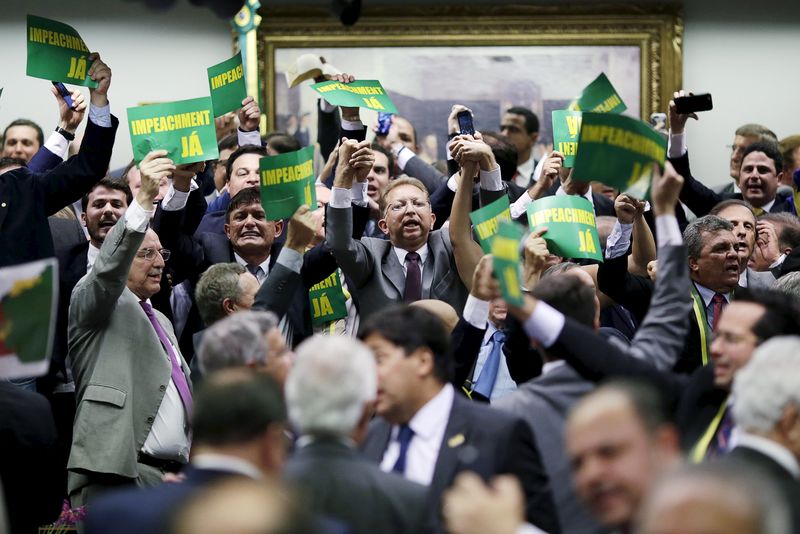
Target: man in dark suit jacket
x,y
238,425
428,433
27,199
329,393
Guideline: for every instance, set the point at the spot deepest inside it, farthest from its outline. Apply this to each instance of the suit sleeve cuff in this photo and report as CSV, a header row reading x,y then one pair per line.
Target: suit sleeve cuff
x,y
291,259
476,312
545,324
101,115
340,197
667,231
136,217
248,138
491,180
677,145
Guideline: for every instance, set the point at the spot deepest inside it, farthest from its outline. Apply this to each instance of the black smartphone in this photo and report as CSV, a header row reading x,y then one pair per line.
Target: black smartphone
x,y
694,103
62,89
384,123
465,123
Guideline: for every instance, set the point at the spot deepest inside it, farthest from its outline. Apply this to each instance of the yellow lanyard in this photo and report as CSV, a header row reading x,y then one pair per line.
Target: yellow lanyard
x,y
702,323
700,449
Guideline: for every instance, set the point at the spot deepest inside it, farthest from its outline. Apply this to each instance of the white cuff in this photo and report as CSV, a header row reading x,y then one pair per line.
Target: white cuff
x,y
248,138
57,144
452,183
175,200
476,312
778,262
340,198
545,324
326,107
667,231
676,147
358,194
403,156
619,240
136,217
491,180
352,126
520,205
537,172
291,259
527,528
100,115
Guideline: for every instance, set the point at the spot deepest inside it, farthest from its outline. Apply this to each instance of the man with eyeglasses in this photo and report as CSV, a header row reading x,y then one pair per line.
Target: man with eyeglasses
x,y
132,385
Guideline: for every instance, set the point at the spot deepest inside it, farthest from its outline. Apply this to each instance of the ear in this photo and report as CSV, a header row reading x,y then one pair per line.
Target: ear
x,y
788,423
668,440
227,228
383,226
433,220
780,177
693,267
278,228
228,305
83,214
425,361
534,137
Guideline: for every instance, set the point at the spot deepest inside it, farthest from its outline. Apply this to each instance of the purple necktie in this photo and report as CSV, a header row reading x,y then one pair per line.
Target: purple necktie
x,y
177,373
413,289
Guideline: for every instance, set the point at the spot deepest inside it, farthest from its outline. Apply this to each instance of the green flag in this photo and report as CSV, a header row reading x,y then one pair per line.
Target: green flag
x,y
358,94
571,227
287,182
328,302
185,129
227,85
599,96
566,128
56,52
28,305
619,151
506,261
487,220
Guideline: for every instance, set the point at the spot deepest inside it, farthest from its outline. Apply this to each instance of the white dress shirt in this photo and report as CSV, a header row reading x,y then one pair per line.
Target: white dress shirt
x,y
224,462
770,448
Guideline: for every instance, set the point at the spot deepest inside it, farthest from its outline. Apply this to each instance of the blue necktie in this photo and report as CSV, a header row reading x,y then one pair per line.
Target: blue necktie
x,y
404,438
485,383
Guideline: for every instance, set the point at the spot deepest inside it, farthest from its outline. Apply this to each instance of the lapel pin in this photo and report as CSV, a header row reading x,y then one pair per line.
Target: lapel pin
x,y
455,441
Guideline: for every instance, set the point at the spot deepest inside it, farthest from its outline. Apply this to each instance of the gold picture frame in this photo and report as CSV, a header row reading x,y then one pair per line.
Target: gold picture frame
x,y
655,31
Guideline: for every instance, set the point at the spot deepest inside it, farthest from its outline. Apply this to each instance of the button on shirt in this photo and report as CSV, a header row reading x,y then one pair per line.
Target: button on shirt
x,y
429,425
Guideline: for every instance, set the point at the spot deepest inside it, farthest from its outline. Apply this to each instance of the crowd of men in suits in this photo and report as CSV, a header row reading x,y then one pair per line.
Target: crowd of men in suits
x,y
191,390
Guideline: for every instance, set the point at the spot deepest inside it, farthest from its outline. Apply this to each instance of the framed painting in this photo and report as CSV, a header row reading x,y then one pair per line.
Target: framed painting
x,y
488,59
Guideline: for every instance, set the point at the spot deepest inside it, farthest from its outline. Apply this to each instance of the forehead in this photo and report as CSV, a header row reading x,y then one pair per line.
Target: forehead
x,y
758,158
403,124
744,141
378,342
105,193
602,419
584,277
736,212
712,238
253,207
406,191
513,118
248,161
740,317
150,241
380,159
21,132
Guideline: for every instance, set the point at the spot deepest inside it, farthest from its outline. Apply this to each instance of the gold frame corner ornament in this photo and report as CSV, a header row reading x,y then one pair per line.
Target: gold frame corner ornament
x,y
656,30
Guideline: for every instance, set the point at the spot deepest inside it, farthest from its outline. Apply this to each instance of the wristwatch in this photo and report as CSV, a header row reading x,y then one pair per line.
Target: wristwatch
x,y
67,135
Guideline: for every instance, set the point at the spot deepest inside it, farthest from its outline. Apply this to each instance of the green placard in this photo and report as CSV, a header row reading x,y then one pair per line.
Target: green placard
x,y
566,129
287,182
368,94
619,151
487,220
571,227
599,96
506,261
56,52
227,85
328,302
28,304
185,129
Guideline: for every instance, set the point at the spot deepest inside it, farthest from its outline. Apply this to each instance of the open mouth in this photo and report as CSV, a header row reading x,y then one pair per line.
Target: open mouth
x,y
250,233
107,223
732,269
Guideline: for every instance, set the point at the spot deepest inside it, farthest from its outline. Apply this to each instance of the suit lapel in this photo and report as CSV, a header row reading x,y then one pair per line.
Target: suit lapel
x,y
456,436
377,439
391,268
427,273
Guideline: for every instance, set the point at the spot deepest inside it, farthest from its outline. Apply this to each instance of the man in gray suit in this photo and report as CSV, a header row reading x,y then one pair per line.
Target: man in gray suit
x,y
329,393
546,400
132,385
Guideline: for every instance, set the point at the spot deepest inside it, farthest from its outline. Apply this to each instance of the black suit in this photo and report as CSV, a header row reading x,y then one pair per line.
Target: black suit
x,y
27,199
335,481
488,442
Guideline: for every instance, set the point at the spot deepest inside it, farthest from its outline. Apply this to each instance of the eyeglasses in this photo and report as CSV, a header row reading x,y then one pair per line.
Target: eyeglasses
x,y
400,205
150,253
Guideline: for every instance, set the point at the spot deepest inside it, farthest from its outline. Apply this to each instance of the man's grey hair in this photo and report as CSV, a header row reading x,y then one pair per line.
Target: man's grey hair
x,y
693,235
767,384
789,284
236,341
331,380
219,282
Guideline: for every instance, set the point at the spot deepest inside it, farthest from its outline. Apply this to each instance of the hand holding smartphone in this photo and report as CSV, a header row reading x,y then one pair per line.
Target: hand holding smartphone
x,y
465,123
65,94
693,103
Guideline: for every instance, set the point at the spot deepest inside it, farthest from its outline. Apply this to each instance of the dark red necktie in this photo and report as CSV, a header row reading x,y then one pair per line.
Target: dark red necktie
x,y
413,289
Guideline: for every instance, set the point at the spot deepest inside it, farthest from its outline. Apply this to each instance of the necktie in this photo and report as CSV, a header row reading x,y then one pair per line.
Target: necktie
x,y
254,270
759,211
485,383
404,438
177,373
715,309
722,438
413,289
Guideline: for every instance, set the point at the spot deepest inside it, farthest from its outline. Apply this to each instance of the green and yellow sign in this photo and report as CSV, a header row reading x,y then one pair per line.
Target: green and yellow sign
x,y
486,221
600,97
368,94
566,129
571,226
287,182
328,301
185,129
227,84
506,261
619,151
56,52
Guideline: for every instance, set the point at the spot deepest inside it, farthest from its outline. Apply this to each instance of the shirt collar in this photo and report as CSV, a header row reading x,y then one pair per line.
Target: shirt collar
x,y
490,330
768,206
91,256
770,448
588,195
264,265
401,254
223,462
549,367
708,294
434,414
525,171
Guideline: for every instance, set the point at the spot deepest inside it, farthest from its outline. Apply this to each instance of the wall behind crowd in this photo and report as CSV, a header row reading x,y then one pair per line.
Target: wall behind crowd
x,y
743,52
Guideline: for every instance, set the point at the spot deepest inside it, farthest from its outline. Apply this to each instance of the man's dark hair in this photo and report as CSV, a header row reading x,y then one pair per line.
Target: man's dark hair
x,y
411,328
531,120
236,406
693,234
281,142
781,312
109,183
241,151
126,170
769,149
570,296
245,197
647,402
26,122
731,202
12,162
228,142
388,153
787,226
505,153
